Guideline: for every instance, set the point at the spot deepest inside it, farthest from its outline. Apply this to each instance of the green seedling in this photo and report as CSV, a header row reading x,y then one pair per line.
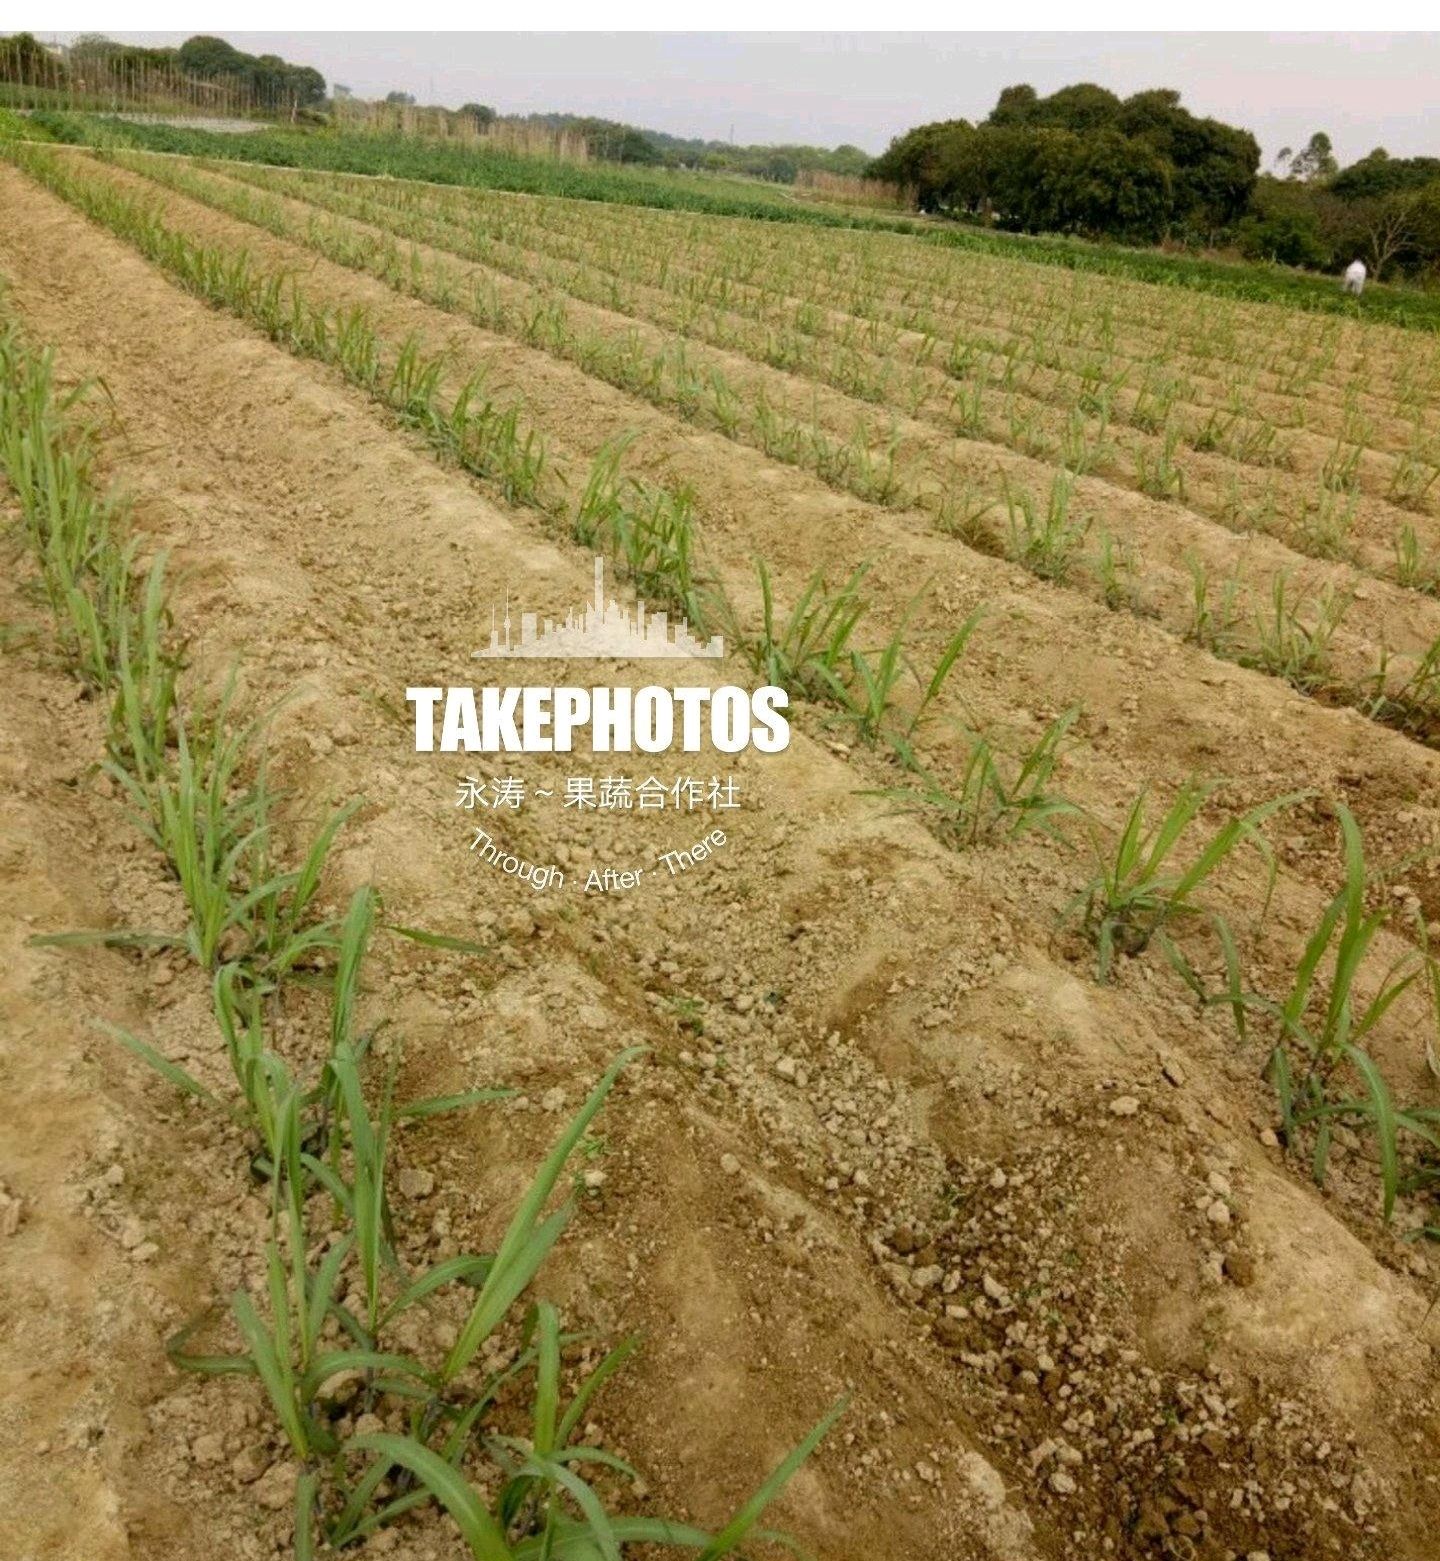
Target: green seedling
x,y
1322,1073
1047,543
995,797
1139,890
1293,640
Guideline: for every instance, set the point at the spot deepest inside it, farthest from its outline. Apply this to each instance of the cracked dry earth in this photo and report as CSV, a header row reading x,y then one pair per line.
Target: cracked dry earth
x,y
890,1139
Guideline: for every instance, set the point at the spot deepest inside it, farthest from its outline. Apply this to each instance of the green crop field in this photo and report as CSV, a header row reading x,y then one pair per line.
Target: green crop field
x,y
1016,1126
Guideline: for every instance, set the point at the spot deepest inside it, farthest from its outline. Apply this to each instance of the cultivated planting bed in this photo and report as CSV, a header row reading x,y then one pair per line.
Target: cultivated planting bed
x,y
1017,1136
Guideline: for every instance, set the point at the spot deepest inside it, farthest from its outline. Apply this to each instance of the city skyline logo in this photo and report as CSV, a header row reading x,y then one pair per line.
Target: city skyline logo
x,y
598,630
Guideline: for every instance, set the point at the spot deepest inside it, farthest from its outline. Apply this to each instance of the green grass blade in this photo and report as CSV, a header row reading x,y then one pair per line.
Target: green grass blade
x,y
725,1542
437,940
306,1491
451,1271
591,1386
526,1241
273,1371
481,1533
171,1072
1382,1114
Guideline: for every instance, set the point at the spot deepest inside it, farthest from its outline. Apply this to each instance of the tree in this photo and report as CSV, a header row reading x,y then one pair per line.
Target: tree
x,y
633,146
1014,106
1083,107
1425,225
481,113
1315,161
93,46
274,82
206,56
1101,185
1284,225
1381,174
402,99
847,159
1398,230
1043,179
306,86
1082,160
1214,165
915,159
1389,228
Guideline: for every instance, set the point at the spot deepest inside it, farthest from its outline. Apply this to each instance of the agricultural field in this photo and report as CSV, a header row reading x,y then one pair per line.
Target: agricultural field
x,y
1020,1139
460,163
714,194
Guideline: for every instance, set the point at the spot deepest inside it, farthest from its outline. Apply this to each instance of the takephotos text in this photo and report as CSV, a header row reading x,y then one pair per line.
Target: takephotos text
x,y
533,719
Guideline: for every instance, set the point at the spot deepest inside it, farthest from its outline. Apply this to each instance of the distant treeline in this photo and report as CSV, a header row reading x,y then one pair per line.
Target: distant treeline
x,y
621,143
1144,169
97,67
1082,161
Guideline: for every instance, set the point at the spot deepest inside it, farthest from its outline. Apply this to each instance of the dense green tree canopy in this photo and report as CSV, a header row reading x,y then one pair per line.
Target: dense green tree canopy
x,y
1381,174
275,82
1082,160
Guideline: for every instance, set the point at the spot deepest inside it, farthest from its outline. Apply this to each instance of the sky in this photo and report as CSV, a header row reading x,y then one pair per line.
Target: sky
x,y
1365,89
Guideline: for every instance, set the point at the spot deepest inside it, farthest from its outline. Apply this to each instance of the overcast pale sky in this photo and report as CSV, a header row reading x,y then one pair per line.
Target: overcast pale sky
x,y
1366,89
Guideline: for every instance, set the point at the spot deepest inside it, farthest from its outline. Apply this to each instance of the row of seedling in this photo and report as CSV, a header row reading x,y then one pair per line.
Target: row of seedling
x,y
814,652
1244,435
1315,1032
737,274
1251,440
640,369
864,461
1322,529
1148,881
1292,637
646,527
650,531
863,701
498,1447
